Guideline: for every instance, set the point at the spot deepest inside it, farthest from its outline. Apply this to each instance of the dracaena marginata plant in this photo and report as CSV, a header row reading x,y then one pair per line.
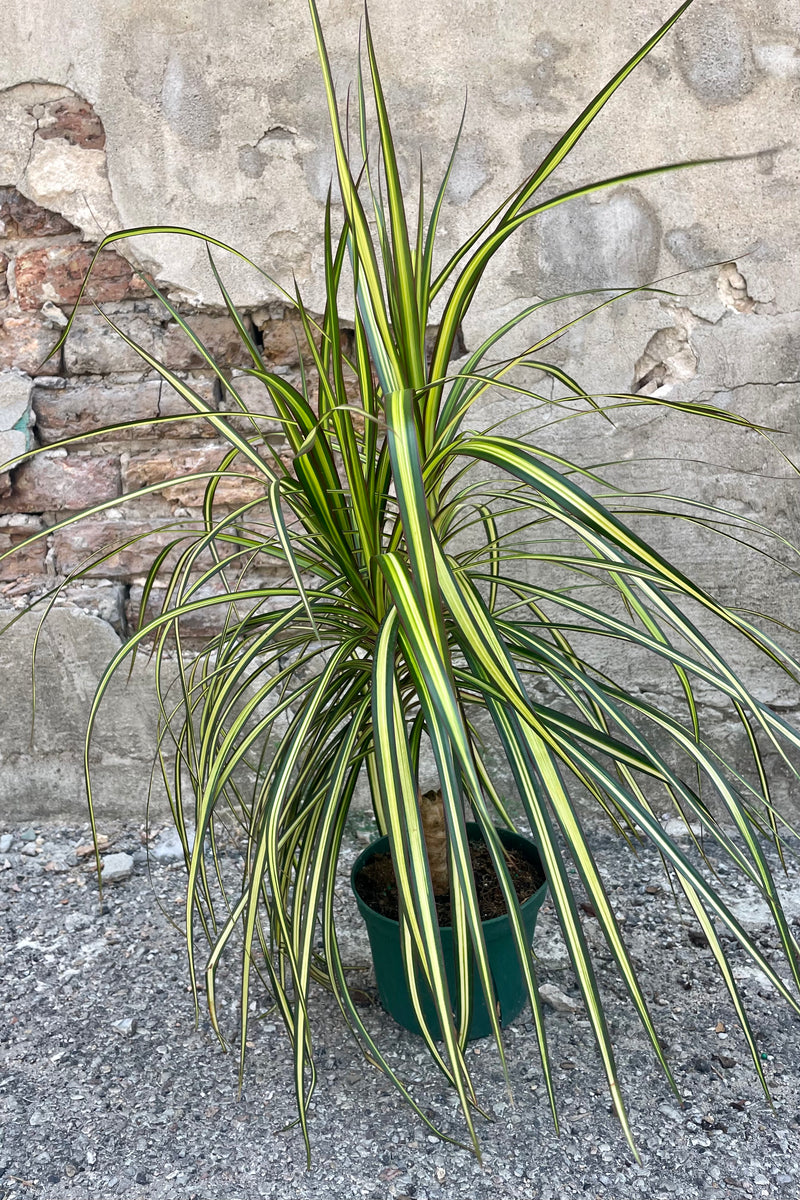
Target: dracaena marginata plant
x,y
393,632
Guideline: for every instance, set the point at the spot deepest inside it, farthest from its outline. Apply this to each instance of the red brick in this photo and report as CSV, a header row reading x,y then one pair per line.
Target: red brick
x,y
160,466
283,339
56,481
27,561
119,527
74,120
219,336
57,272
26,339
20,217
75,544
79,408
94,348
173,404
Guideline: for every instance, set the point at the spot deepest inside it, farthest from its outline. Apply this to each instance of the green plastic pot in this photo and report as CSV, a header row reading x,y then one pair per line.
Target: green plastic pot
x,y
509,985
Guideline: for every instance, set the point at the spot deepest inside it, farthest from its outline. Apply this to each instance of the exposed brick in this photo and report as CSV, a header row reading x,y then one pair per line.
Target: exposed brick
x,y
55,481
57,272
82,407
139,536
26,339
77,543
219,336
21,218
26,561
160,466
172,404
94,348
79,408
283,338
255,396
74,120
197,627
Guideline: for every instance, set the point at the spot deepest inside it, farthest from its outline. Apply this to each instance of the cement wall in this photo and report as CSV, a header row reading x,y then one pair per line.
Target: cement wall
x,y
120,114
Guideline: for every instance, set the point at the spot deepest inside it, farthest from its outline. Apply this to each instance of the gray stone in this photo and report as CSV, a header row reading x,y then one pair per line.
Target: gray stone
x,y
691,246
557,999
13,444
75,921
117,867
104,600
126,1027
591,243
716,57
46,778
5,843
167,848
676,828
15,414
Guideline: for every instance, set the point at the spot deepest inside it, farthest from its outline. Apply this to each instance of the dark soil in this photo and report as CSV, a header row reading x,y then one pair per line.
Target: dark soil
x,y
377,886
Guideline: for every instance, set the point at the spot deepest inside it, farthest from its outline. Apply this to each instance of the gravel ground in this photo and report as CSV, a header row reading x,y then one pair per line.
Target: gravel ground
x,y
107,1088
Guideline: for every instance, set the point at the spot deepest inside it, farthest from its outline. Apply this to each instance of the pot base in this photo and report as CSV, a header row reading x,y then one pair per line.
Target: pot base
x,y
510,992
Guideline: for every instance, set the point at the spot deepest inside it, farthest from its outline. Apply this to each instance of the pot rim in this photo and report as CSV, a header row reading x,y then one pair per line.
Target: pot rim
x,y
379,845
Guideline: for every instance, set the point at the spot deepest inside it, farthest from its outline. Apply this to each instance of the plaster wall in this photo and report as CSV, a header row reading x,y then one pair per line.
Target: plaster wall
x,y
216,120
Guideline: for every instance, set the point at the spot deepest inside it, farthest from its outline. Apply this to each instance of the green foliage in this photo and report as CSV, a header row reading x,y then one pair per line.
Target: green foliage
x,y
389,635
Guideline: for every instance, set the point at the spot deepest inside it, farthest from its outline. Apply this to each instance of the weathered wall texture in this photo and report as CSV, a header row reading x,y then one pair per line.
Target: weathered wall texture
x,y
118,114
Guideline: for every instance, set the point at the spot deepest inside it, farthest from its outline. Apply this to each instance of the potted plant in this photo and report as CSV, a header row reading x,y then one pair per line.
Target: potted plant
x,y
392,634
374,883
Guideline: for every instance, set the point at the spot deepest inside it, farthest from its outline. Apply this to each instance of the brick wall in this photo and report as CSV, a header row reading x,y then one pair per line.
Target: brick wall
x,y
98,380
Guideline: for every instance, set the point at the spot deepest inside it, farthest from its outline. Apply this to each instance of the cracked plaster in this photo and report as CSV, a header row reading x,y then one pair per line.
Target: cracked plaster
x,y
52,172
235,142
186,120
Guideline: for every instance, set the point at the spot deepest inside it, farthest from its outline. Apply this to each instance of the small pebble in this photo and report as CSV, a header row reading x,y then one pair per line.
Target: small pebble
x,y
167,848
5,843
675,827
117,867
557,999
126,1027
